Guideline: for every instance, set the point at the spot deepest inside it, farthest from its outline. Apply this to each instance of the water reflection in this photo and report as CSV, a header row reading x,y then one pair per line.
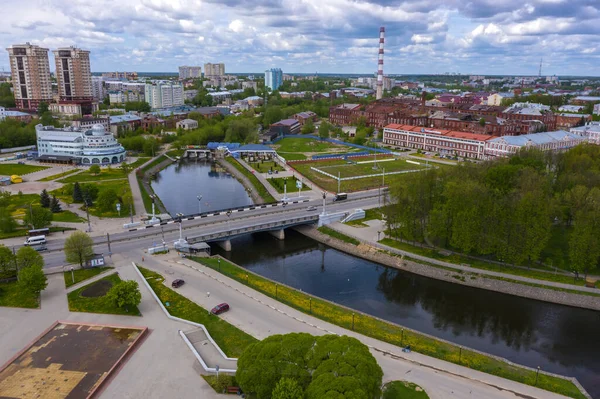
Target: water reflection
x,y
557,338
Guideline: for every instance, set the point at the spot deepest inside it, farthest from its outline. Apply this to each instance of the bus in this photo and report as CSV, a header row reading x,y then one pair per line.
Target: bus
x,y
340,197
39,232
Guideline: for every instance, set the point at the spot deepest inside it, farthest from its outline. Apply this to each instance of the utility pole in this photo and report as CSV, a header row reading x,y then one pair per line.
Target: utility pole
x,y
108,240
339,182
87,212
324,196
131,212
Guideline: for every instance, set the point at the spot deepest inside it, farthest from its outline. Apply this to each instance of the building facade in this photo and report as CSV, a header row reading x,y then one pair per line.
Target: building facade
x,y
250,85
591,132
98,91
73,74
548,141
214,70
82,146
30,75
444,142
88,123
164,94
285,126
120,75
273,78
190,72
74,109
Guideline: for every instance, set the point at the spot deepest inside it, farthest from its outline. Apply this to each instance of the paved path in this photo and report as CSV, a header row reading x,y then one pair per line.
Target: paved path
x,y
91,280
261,179
369,235
439,378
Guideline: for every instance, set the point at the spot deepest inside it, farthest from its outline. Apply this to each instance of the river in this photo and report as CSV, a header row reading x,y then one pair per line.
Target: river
x,y
557,338
219,190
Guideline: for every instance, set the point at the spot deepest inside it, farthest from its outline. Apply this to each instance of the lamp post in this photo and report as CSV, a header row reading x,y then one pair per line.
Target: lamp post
x,y
219,262
310,303
536,374
378,235
228,217
352,321
87,212
276,291
199,197
324,196
72,275
119,208
285,189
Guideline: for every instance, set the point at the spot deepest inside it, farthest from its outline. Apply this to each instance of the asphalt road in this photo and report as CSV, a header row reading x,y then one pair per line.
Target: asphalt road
x,y
134,240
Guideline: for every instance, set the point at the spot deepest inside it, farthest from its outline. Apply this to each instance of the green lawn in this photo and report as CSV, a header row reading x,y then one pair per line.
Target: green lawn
x,y
154,163
480,264
338,235
370,214
9,169
403,390
293,144
265,167
292,156
277,183
261,190
121,187
387,332
342,168
68,217
59,175
82,274
139,162
12,295
105,174
230,339
101,304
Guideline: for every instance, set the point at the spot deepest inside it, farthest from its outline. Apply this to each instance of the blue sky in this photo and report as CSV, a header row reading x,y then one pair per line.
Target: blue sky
x,y
422,36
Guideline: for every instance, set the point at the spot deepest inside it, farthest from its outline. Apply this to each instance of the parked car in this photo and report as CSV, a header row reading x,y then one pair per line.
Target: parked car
x,y
221,308
177,283
311,208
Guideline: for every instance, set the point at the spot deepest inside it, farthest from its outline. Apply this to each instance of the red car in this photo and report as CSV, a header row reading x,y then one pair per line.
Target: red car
x,y
220,308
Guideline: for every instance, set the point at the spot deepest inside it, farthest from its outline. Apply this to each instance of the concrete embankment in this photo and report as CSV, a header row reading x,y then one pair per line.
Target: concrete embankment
x,y
476,280
256,198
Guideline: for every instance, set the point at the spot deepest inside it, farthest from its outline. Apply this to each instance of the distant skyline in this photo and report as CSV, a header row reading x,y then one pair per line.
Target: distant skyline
x,y
307,36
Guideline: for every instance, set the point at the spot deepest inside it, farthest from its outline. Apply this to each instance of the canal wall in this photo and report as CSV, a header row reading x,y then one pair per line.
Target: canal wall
x,y
256,198
476,280
145,180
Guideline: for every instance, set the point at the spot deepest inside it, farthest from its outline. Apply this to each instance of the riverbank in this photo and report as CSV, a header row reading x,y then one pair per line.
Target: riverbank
x,y
253,191
471,279
144,175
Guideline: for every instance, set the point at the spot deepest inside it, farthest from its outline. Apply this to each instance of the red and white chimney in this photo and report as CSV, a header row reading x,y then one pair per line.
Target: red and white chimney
x,y
379,94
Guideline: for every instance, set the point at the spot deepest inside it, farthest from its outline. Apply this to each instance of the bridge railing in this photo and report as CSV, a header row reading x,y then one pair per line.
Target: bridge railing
x,y
250,229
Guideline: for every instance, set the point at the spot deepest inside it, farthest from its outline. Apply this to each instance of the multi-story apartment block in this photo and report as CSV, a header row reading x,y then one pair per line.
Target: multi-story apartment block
x,y
120,75
30,75
250,85
213,70
190,72
273,78
164,94
73,74
98,91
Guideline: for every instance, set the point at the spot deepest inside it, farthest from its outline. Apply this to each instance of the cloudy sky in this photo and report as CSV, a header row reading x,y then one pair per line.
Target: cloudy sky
x,y
422,36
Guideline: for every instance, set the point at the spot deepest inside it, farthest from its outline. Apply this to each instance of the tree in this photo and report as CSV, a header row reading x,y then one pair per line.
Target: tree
x,y
79,247
324,130
107,199
43,108
7,222
316,364
77,194
38,217
33,279
287,388
272,115
28,257
482,122
309,127
7,259
125,294
125,168
44,199
95,170
55,205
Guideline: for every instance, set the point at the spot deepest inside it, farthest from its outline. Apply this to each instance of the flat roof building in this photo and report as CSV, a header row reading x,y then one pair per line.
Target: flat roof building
x,y
30,75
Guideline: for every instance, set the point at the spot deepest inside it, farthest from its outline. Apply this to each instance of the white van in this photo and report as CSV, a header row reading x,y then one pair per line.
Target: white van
x,y
35,240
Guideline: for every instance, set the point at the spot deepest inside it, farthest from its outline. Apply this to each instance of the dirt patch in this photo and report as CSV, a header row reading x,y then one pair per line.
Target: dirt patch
x,y
98,289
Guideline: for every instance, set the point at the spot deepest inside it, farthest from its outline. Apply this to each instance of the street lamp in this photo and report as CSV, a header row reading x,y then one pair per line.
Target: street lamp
x,y
31,215
310,302
324,196
285,189
228,217
199,197
72,275
119,208
219,262
536,374
352,321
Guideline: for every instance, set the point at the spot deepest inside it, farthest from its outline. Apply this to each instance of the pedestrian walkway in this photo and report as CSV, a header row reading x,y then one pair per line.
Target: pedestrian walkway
x,y
376,229
91,280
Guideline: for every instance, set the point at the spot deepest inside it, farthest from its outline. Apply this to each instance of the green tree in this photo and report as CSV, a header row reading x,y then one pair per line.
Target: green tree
x,y
33,279
482,122
272,114
316,364
38,217
107,199
140,106
28,257
151,146
95,170
287,388
125,294
77,194
7,222
6,96
125,168
45,199
7,259
43,108
55,205
89,192
324,130
79,247
308,127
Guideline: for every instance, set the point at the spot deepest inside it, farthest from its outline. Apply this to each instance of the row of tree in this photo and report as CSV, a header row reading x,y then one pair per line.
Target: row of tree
x,y
507,208
27,264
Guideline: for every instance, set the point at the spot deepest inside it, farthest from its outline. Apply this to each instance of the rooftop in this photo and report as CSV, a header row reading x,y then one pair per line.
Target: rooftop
x,y
442,132
285,122
537,138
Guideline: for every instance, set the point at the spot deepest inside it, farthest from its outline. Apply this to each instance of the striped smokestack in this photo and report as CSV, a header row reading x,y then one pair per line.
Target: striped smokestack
x,y
380,64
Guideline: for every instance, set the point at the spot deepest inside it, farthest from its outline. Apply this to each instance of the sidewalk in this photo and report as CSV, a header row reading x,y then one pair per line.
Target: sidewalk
x,y
369,235
91,280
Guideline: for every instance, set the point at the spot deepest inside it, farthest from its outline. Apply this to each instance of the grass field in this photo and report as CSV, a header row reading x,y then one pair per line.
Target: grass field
x,y
403,390
82,274
9,169
13,295
278,184
139,162
347,170
292,156
105,174
67,217
59,175
101,304
230,339
261,190
293,144
391,333
121,187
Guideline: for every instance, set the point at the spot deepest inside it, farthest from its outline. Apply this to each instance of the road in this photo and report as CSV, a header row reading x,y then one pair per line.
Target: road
x,y
131,240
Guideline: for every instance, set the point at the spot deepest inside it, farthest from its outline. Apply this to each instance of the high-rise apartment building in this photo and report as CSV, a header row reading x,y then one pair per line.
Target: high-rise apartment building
x,y
30,75
164,94
273,78
73,74
98,91
214,70
190,72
